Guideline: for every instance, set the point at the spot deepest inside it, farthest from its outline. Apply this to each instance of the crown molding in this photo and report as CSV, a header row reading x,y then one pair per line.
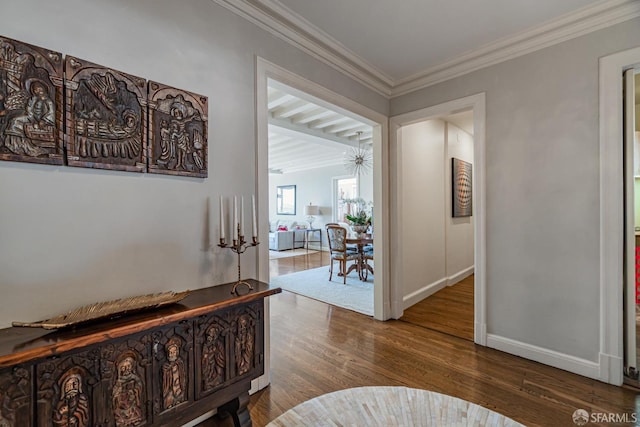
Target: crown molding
x,y
276,19
279,21
581,22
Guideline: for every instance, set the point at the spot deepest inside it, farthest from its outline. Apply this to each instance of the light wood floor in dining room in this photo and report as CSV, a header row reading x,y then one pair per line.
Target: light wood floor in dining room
x,y
317,348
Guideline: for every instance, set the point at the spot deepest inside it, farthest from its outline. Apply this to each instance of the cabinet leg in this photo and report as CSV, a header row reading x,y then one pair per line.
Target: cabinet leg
x,y
239,411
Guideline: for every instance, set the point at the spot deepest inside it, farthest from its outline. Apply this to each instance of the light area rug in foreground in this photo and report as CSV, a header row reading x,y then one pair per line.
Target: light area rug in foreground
x,y
355,295
390,406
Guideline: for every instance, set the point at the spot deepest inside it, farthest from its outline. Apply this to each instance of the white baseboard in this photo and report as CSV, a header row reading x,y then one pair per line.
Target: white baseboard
x,y
423,293
553,358
430,289
611,369
452,280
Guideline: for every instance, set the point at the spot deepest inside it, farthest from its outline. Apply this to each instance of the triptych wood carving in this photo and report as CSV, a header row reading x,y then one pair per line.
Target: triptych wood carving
x,y
112,120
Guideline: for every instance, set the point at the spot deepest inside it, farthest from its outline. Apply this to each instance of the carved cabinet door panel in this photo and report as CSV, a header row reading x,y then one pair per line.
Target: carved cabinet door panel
x,y
16,404
246,341
125,391
172,369
212,353
66,386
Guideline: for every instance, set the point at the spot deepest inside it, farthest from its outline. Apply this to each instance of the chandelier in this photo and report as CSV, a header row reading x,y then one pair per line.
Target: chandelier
x,y
359,160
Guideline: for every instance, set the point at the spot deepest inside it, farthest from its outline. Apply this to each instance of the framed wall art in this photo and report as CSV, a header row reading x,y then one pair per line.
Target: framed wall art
x,y
461,173
177,131
31,81
106,117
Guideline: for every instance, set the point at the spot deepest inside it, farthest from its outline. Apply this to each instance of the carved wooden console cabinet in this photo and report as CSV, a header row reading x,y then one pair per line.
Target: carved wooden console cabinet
x,y
162,367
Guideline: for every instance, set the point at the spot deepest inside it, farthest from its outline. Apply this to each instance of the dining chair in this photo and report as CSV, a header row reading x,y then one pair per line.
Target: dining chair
x,y
367,254
337,237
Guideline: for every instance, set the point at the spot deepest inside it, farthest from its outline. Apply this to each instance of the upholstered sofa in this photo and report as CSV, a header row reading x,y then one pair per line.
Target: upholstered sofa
x,y
285,235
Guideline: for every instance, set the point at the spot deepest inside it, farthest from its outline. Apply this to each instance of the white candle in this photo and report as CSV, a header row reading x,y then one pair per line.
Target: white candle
x,y
242,216
253,211
222,236
235,218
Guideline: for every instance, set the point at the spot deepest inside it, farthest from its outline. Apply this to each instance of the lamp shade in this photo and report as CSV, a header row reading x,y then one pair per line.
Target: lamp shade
x,y
311,210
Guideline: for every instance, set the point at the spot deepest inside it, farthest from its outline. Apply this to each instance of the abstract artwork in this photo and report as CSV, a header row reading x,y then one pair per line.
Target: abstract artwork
x,y
106,117
31,80
462,188
177,131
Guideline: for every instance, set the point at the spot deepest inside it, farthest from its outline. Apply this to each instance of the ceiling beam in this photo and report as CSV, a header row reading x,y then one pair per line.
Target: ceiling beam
x,y
315,136
288,110
279,98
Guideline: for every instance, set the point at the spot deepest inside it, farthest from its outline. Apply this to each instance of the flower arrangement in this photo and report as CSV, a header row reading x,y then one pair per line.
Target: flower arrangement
x,y
360,212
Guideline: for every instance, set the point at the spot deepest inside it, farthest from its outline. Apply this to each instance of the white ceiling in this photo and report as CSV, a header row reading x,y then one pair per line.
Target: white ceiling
x,y
403,38
396,47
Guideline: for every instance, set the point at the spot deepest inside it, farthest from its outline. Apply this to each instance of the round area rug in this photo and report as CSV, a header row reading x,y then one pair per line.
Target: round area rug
x,y
387,407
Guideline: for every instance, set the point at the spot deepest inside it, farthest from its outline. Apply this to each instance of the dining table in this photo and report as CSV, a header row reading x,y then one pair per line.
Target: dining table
x,y
361,265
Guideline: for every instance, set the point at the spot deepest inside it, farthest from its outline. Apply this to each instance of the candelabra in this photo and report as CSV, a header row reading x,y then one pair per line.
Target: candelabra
x,y
239,246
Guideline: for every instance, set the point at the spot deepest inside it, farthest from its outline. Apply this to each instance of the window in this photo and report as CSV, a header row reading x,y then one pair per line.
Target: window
x,y
344,189
286,200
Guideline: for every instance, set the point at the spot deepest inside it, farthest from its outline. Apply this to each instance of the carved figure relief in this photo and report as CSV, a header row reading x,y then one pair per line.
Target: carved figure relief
x,y
244,343
72,408
128,393
30,103
174,376
15,397
213,358
178,131
106,117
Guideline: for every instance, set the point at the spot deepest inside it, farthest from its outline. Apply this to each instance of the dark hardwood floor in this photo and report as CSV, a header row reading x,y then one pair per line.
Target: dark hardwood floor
x,y
449,310
317,349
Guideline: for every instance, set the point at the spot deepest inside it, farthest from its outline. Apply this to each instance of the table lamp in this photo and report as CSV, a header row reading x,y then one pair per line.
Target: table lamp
x,y
311,210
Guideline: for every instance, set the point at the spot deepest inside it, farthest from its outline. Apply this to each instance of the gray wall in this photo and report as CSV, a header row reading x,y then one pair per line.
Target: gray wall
x,y
71,236
542,188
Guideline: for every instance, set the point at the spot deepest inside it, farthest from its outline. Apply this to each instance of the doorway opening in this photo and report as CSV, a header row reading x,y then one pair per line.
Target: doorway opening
x,y
290,108
432,135
446,302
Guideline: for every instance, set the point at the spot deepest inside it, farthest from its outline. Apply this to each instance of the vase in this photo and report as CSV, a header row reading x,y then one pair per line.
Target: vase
x,y
360,230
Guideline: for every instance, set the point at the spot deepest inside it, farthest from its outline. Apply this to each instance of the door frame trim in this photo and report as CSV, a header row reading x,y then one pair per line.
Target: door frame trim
x,y
611,353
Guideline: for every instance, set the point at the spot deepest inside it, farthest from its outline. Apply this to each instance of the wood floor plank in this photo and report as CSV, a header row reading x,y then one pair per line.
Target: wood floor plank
x,y
449,310
317,348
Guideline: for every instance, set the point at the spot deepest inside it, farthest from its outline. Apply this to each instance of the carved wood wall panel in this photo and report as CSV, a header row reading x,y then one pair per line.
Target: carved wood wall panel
x,y
177,131
31,81
106,117
15,397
